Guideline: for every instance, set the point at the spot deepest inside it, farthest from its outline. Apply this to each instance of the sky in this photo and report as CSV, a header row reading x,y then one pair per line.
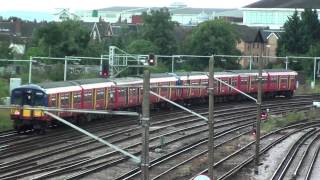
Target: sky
x,y
52,5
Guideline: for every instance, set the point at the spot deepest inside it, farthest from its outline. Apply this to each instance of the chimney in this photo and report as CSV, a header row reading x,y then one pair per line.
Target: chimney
x,y
17,24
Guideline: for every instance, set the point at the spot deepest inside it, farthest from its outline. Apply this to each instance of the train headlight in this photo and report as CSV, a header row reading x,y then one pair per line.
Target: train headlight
x,y
16,112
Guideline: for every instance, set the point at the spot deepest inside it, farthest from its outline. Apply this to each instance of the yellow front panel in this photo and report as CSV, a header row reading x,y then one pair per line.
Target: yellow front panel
x,y
37,113
26,113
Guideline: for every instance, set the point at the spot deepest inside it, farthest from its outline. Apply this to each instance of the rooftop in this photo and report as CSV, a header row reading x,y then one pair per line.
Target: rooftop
x,y
313,4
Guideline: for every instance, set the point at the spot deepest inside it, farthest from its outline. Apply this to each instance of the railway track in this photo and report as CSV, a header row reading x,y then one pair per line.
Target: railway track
x,y
34,165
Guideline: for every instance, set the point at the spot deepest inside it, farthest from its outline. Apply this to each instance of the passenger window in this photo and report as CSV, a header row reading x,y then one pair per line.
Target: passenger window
x,y
88,96
100,94
64,99
76,97
53,100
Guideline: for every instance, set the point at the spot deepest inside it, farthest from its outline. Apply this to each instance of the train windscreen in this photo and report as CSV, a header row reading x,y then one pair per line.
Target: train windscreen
x,y
16,97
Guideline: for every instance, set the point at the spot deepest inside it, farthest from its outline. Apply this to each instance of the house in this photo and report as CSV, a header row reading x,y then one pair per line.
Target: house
x,y
98,30
250,46
18,33
274,13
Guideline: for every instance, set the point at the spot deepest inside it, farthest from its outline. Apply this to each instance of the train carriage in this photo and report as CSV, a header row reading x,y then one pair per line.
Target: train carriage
x,y
122,93
127,92
163,79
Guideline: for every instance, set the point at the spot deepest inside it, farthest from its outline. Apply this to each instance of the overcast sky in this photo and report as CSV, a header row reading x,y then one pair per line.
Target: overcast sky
x,y
51,5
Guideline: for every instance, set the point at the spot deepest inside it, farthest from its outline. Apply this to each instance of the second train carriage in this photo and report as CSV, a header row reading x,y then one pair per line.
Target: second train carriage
x,y
121,93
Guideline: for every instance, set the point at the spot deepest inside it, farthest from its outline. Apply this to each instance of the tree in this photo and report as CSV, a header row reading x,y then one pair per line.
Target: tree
x,y
159,29
142,46
67,38
5,52
213,37
310,26
292,41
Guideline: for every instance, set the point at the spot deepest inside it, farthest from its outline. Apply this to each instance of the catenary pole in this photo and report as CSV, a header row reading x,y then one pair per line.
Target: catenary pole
x,y
257,149
30,69
211,118
314,71
145,126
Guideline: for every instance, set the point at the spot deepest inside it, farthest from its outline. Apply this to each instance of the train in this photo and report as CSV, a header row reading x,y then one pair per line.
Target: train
x,y
126,92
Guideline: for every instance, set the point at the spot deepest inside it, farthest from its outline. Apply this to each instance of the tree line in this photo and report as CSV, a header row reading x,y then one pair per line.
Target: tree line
x,y
301,37
158,34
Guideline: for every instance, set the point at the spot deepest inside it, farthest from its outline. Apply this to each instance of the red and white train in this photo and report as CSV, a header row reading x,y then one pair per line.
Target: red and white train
x,y
122,93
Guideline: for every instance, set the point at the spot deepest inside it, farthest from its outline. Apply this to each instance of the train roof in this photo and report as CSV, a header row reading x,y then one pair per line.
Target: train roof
x,y
127,80
91,81
30,86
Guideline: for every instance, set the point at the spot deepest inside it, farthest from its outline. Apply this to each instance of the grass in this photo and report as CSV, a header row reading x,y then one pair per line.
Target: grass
x,y
5,121
306,88
275,122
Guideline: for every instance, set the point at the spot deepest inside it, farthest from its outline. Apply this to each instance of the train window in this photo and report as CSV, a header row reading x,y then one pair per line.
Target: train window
x,y
76,97
88,96
64,99
111,95
226,81
165,90
234,83
273,79
244,82
253,80
53,100
16,97
133,92
123,92
100,94
205,82
283,81
38,99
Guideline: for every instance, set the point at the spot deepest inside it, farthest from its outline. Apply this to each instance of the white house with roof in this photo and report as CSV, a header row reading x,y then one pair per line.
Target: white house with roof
x,y
179,13
274,14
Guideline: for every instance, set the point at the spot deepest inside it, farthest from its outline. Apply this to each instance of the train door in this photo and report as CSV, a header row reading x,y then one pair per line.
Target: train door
x,y
234,83
133,97
224,89
154,99
106,97
76,99
52,101
112,98
94,98
87,100
99,98
283,82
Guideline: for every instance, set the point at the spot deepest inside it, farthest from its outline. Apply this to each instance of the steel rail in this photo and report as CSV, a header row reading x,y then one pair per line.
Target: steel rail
x,y
298,168
287,160
304,125
313,161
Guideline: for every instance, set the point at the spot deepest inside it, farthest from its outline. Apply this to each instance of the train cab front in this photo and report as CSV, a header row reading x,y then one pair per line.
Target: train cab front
x,y
24,98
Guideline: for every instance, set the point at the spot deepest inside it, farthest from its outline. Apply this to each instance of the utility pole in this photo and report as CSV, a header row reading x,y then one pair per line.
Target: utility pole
x,y
30,69
65,68
256,164
172,64
211,118
145,126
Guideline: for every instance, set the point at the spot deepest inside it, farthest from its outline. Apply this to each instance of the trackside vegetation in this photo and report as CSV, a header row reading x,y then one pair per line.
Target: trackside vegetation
x,y
277,121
